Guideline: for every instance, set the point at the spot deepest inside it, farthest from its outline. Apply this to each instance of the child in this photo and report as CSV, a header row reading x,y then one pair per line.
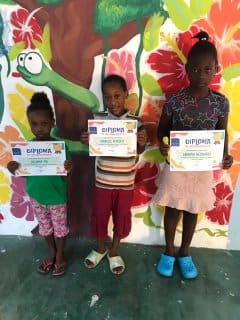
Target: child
x,y
114,181
194,108
47,193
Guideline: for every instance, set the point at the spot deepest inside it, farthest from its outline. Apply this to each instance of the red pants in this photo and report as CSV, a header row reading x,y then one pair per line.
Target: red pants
x,y
115,201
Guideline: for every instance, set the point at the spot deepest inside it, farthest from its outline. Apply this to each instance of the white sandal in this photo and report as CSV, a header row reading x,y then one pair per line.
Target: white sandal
x,y
94,257
116,262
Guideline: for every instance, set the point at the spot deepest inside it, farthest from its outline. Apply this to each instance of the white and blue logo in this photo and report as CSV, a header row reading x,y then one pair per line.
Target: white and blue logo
x,y
16,151
175,142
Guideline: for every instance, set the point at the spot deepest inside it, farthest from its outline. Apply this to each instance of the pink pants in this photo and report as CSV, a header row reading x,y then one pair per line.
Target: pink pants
x,y
51,219
115,201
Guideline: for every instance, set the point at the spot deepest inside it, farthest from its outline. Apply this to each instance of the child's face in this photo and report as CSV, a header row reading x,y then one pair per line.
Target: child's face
x,y
41,124
200,70
114,98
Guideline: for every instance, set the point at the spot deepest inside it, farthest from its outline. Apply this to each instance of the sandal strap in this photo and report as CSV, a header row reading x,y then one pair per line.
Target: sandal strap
x,y
59,269
95,257
116,262
45,266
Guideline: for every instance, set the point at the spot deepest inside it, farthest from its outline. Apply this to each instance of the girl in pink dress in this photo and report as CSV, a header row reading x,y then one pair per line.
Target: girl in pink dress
x,y
194,108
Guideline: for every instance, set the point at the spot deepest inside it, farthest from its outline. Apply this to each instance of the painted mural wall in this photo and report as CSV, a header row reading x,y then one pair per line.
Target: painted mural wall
x,y
65,48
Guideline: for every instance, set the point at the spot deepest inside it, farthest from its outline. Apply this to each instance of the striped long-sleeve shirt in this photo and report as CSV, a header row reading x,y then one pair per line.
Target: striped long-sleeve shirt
x,y
116,172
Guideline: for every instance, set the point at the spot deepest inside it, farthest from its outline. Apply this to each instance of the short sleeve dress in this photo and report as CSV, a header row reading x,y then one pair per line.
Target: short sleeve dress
x,y
190,191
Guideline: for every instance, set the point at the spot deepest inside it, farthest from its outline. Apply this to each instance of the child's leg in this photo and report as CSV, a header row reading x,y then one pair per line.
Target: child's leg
x,y
51,247
59,221
46,230
185,262
189,225
115,245
171,219
43,216
116,262
101,248
166,263
121,213
60,250
102,204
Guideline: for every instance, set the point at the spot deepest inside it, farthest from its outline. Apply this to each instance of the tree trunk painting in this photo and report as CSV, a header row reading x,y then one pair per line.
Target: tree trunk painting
x,y
74,44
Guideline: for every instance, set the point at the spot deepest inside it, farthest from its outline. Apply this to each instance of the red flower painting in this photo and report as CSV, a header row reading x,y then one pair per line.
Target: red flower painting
x,y
170,64
25,27
145,183
20,203
221,212
1,218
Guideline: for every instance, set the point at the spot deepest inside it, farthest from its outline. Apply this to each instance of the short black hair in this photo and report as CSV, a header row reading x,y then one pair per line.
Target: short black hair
x,y
203,46
116,79
40,101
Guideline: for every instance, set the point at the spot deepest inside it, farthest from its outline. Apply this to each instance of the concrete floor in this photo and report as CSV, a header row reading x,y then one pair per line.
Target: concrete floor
x,y
140,293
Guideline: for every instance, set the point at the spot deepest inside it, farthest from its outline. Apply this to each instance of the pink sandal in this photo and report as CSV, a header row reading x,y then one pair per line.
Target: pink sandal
x,y
59,269
45,267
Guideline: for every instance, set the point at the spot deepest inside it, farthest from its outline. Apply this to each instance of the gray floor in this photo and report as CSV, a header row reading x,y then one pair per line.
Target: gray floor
x,y
140,293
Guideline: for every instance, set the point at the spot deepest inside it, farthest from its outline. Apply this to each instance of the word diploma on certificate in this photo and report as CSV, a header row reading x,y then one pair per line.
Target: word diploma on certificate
x,y
200,150
112,138
39,158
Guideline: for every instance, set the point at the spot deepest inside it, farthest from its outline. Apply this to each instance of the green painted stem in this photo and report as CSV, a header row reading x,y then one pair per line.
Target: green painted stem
x,y
106,50
137,62
73,92
1,96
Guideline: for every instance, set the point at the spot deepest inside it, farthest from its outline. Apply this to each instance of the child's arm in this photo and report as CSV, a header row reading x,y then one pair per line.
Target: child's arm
x,y
141,139
164,128
84,137
68,164
227,158
13,166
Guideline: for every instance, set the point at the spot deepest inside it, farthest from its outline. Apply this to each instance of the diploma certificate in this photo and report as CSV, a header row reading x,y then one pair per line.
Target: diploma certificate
x,y
112,138
45,158
196,150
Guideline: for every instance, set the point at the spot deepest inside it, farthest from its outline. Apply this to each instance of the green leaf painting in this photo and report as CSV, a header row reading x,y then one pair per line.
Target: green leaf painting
x,y
231,72
112,14
199,8
182,15
2,52
147,219
27,134
216,233
179,12
49,2
15,50
150,85
154,156
44,46
8,2
151,32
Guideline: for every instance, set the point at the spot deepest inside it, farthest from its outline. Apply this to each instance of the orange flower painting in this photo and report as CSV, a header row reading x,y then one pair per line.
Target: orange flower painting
x,y
9,134
223,24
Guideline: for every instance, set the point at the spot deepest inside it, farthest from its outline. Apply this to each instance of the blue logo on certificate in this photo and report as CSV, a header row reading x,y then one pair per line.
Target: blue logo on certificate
x,y
175,142
93,130
16,151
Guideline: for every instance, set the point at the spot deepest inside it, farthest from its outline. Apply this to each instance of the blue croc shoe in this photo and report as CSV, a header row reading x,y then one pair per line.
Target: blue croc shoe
x,y
165,265
187,267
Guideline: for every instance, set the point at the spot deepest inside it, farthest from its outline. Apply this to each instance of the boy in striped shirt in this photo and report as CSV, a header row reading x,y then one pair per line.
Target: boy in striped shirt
x,y
114,181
